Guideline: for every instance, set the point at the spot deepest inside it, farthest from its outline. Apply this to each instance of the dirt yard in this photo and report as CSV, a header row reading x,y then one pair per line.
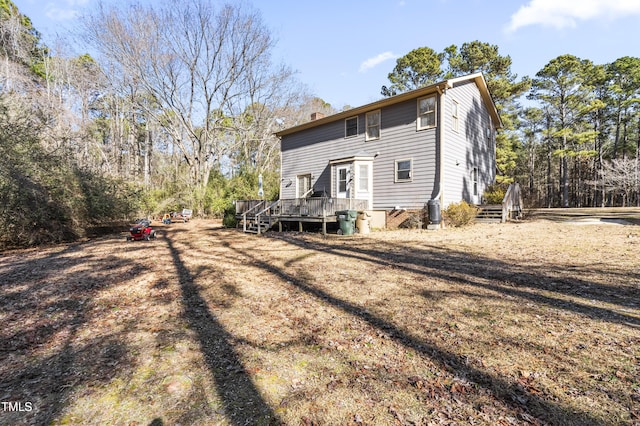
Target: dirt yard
x,y
515,324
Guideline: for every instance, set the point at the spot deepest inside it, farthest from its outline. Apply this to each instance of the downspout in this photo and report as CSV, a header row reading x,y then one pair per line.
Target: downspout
x,y
434,205
442,91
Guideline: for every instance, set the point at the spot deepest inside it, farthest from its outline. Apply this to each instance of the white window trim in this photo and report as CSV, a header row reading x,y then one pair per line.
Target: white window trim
x,y
366,121
345,127
435,113
346,169
395,170
455,116
364,178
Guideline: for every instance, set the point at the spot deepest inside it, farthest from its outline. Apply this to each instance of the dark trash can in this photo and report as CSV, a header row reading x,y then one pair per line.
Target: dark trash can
x,y
347,221
435,216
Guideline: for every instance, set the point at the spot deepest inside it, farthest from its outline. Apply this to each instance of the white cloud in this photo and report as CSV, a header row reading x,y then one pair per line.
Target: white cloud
x,y
377,60
59,14
64,10
566,14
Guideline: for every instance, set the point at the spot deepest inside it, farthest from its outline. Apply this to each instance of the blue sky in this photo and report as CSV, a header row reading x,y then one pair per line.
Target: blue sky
x,y
343,50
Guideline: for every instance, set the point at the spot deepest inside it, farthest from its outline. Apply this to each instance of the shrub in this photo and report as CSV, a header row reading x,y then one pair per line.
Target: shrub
x,y
460,214
494,194
229,220
44,197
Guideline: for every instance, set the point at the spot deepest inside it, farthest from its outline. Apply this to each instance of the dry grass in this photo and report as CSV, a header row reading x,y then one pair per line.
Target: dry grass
x,y
531,323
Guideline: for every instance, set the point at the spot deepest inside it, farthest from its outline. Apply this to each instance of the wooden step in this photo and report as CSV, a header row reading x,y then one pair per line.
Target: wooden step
x,y
253,227
491,213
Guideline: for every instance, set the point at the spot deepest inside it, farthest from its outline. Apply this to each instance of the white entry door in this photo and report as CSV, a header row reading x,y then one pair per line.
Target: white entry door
x,y
342,181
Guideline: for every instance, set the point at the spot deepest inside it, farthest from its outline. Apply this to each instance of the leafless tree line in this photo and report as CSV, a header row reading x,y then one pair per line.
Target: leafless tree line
x,y
171,91
581,146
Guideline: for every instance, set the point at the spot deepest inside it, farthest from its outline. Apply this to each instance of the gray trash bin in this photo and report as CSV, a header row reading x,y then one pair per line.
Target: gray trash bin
x,y
435,216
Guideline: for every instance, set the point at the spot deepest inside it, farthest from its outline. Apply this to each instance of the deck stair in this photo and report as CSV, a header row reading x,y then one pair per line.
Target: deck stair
x,y
261,217
255,226
511,207
489,213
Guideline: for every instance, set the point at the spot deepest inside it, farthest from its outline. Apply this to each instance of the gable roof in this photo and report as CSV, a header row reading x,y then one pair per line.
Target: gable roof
x,y
478,78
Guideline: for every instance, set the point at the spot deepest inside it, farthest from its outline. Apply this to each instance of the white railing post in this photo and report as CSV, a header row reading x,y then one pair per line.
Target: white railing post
x,y
258,223
506,204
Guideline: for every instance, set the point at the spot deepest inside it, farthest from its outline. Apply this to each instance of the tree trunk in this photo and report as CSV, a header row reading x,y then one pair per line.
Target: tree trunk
x,y
147,158
637,175
617,136
565,163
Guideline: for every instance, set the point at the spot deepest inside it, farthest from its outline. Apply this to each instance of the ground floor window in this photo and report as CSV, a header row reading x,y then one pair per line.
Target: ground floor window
x,y
363,178
342,179
403,170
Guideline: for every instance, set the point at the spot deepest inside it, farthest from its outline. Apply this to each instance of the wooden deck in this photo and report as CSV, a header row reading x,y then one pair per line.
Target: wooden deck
x,y
260,215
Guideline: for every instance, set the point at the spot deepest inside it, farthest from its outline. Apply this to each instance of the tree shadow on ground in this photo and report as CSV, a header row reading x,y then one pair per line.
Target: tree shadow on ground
x,y
446,265
241,400
42,311
503,277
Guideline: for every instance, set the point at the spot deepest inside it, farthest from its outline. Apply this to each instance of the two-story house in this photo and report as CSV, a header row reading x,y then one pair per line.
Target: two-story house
x,y
434,145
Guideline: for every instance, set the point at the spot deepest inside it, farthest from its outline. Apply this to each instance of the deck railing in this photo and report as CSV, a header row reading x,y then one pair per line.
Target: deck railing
x,y
251,207
315,207
512,203
268,214
319,207
243,206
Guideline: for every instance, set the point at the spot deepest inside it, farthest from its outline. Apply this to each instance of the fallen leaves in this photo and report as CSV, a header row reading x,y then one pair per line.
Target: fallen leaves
x,y
395,328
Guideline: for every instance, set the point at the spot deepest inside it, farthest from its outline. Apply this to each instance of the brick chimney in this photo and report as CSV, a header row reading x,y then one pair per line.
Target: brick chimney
x,y
316,116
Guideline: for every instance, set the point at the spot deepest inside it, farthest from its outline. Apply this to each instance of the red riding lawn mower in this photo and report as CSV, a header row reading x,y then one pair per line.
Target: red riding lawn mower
x,y
141,230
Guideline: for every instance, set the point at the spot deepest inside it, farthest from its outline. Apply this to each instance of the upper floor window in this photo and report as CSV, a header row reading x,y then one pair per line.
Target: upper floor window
x,y
350,127
373,125
403,170
455,110
427,112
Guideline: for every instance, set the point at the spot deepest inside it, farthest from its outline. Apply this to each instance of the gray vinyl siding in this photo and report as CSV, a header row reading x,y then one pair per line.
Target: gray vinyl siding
x,y
467,148
309,151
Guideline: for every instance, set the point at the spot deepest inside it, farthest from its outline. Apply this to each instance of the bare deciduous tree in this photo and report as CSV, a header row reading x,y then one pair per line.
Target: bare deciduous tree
x,y
203,66
622,176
